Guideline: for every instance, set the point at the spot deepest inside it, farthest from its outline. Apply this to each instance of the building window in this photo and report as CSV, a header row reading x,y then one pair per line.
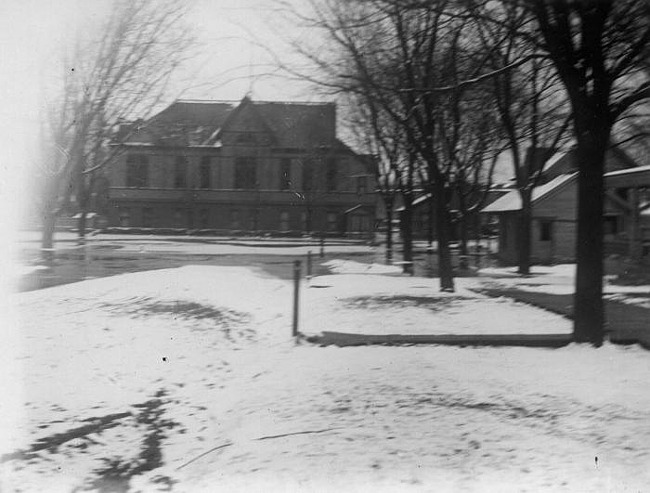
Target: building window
x,y
246,138
361,183
307,175
331,173
204,218
178,218
545,230
125,217
147,217
332,222
234,219
204,171
137,171
245,173
180,172
285,174
252,219
284,221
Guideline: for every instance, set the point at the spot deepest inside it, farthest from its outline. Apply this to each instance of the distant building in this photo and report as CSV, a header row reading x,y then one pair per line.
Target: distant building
x,y
240,167
555,211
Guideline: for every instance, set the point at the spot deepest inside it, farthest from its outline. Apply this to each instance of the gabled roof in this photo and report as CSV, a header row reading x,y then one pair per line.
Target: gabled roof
x,y
184,123
560,170
512,200
203,123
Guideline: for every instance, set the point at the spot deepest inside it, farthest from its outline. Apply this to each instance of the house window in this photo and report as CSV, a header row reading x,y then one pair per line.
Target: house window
x,y
245,173
125,217
204,172
285,174
359,222
284,221
204,218
361,183
545,230
147,217
332,221
234,219
610,225
330,177
180,172
137,171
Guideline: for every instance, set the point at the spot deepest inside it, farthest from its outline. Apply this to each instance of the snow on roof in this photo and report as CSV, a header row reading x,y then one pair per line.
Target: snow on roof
x,y
630,171
626,178
512,200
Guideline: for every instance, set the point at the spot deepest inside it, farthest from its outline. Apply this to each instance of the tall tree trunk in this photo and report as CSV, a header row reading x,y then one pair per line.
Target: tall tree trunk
x,y
525,218
388,201
406,225
81,226
308,219
464,234
589,315
430,225
47,235
445,269
85,187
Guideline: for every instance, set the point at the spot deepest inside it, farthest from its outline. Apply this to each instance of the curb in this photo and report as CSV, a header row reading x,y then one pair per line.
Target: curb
x,y
494,340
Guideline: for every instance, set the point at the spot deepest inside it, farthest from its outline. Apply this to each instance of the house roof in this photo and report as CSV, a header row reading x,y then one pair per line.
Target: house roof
x,y
639,176
512,200
203,123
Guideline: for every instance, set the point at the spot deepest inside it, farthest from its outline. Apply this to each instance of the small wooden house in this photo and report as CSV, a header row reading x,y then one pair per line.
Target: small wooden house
x,y
554,214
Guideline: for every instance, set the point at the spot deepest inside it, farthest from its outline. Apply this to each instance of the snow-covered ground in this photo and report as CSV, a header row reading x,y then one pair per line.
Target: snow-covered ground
x,y
378,304
197,245
188,378
560,279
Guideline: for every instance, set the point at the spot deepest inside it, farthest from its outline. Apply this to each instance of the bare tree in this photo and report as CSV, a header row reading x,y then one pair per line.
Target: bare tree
x,y
122,71
600,51
389,52
531,109
383,140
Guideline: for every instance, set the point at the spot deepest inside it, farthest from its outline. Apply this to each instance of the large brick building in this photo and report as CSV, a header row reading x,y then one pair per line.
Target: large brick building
x,y
247,167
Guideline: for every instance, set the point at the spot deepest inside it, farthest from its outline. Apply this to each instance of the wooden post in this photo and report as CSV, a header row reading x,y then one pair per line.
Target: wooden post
x,y
309,264
296,296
